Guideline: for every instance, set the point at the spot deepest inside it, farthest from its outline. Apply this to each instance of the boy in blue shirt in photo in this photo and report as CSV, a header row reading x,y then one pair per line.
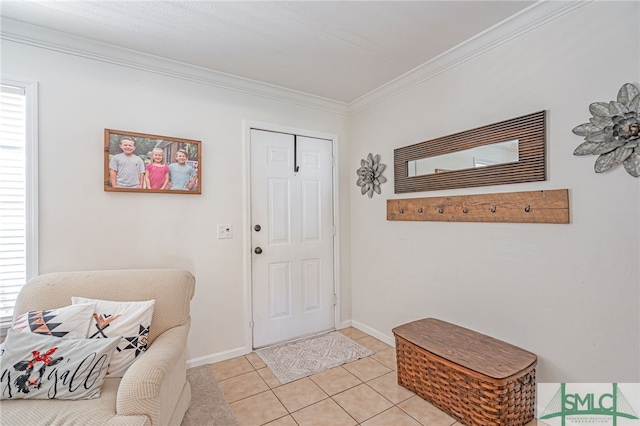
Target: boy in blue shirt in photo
x,y
182,176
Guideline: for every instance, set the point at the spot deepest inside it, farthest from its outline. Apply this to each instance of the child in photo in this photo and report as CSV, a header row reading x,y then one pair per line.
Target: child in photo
x,y
157,175
182,176
126,170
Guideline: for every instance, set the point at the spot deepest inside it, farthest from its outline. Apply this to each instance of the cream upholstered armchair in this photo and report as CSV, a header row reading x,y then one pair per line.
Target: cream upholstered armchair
x,y
154,390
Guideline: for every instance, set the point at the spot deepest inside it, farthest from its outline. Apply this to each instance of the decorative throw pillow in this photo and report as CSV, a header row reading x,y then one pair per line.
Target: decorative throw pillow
x,y
131,320
44,367
70,322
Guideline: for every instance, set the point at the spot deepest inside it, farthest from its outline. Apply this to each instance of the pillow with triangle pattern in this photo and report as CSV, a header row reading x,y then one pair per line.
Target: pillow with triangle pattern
x,y
69,322
131,320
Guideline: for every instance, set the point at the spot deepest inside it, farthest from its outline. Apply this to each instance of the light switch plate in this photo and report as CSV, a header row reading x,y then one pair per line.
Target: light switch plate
x,y
225,231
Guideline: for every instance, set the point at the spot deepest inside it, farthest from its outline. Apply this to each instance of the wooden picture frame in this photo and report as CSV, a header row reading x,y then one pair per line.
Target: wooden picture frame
x,y
132,163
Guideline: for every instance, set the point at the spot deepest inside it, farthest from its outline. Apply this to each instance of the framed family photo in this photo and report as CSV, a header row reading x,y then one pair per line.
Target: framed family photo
x,y
139,162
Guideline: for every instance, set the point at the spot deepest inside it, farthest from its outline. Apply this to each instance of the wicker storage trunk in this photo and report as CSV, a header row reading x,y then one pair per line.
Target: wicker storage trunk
x,y
476,379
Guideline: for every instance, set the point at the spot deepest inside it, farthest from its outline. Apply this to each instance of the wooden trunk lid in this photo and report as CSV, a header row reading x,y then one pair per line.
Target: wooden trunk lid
x,y
467,348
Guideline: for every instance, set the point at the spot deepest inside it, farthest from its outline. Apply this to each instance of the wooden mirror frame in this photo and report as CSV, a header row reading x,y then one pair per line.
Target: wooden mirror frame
x,y
530,130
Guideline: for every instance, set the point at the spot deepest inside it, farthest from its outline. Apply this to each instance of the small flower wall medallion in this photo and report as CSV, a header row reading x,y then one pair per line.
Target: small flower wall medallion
x,y
370,175
613,133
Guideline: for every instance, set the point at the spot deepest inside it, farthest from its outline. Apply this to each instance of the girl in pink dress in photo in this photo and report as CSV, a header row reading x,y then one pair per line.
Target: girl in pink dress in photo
x,y
157,173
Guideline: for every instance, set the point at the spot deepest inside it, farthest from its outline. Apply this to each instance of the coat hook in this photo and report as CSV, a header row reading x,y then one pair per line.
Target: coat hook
x,y
401,211
493,209
465,210
420,210
440,210
527,208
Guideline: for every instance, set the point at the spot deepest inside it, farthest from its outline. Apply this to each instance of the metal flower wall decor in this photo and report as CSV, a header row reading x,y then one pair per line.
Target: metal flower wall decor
x,y
613,133
370,175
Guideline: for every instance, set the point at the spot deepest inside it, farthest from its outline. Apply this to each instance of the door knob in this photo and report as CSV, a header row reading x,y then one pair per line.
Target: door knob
x,y
258,250
257,228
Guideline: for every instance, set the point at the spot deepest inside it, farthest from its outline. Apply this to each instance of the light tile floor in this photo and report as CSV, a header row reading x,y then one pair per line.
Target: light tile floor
x,y
363,392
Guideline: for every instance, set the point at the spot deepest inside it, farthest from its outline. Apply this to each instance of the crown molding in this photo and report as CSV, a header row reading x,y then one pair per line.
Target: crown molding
x,y
20,32
527,20
536,15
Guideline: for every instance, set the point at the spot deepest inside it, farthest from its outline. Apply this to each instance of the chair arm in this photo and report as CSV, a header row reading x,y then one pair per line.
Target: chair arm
x,y
153,383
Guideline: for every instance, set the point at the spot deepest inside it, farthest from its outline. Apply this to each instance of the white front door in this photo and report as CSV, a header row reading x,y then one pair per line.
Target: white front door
x,y
292,236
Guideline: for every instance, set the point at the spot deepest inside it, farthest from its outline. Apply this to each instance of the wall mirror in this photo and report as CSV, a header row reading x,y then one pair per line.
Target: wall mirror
x,y
511,151
480,156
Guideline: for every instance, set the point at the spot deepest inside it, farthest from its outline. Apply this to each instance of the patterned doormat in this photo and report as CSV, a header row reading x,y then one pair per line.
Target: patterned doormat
x,y
301,358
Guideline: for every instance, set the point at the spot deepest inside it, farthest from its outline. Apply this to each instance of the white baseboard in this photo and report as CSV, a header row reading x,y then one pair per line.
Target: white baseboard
x,y
389,340
217,357
343,324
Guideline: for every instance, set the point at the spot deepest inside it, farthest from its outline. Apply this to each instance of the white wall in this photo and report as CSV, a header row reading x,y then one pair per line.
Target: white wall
x,y
83,228
568,293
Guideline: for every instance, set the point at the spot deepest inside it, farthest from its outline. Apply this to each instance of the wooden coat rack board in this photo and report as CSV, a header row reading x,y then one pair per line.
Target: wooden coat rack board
x,y
550,206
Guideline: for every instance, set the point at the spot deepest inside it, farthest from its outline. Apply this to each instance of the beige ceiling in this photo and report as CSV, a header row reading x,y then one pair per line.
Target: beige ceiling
x,y
339,50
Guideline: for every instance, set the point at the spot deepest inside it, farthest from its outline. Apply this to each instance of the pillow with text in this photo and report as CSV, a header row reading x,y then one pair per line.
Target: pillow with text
x,y
43,367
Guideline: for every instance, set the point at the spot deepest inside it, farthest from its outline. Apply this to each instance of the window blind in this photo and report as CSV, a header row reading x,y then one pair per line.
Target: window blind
x,y
13,186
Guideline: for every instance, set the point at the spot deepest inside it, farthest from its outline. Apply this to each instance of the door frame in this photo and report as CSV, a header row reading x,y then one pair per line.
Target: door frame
x,y
246,246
